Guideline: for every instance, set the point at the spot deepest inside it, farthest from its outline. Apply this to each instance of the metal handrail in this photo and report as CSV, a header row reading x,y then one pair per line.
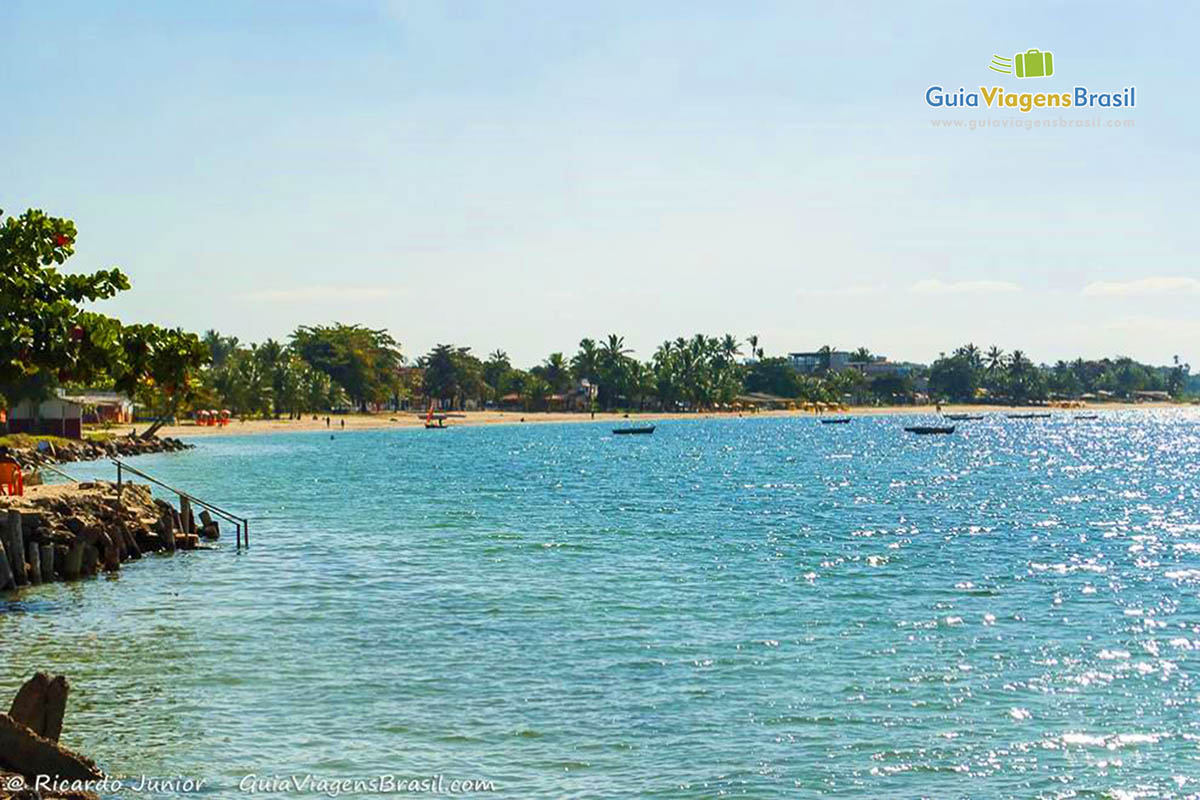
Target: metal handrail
x,y
56,470
240,523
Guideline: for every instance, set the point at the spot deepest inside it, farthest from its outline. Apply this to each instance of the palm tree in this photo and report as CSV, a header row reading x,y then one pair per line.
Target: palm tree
x,y
730,347
585,364
995,359
755,350
971,354
556,372
613,369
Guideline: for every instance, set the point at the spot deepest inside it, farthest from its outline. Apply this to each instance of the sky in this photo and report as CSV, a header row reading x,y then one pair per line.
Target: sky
x,y
520,175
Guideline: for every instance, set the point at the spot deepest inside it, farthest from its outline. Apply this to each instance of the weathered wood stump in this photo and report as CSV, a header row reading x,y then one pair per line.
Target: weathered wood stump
x,y
25,752
73,566
33,556
14,545
6,576
47,556
40,705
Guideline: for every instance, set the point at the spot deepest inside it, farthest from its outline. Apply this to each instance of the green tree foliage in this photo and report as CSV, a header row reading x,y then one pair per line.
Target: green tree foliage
x,y
954,379
47,338
362,361
454,376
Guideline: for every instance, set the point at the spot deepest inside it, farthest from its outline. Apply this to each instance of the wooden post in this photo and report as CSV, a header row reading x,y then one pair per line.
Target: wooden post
x,y
14,543
35,563
6,579
47,555
185,514
74,562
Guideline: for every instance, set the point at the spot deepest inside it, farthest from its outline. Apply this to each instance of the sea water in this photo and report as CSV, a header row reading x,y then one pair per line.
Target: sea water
x,y
745,607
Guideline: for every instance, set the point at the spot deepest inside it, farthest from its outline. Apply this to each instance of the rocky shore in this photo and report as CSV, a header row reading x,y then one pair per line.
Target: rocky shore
x,y
72,531
63,451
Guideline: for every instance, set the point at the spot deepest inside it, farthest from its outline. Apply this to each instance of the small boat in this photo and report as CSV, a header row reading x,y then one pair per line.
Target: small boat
x,y
434,422
926,430
963,417
629,431
1029,416
836,421
1087,416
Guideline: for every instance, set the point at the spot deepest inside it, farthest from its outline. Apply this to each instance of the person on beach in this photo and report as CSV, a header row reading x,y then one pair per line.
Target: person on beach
x,y
327,422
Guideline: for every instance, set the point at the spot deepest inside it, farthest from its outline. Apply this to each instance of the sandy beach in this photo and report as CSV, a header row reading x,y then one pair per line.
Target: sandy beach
x,y
358,422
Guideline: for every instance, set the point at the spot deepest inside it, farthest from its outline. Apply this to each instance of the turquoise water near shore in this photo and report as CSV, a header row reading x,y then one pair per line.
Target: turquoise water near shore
x,y
759,608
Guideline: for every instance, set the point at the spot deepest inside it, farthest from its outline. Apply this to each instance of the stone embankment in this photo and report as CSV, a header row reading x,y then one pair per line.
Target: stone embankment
x,y
71,531
65,451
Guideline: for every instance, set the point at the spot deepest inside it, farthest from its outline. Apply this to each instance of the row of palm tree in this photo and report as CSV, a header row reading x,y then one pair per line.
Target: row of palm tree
x,y
969,373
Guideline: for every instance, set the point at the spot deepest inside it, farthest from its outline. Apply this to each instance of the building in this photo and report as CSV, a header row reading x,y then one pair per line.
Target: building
x,y
59,416
820,361
104,407
840,361
879,366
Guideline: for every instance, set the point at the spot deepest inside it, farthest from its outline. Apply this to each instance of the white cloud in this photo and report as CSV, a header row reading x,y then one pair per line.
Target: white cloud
x,y
306,294
1159,284
935,286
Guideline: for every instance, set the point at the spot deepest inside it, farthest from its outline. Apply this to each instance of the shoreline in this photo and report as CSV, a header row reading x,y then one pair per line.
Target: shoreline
x,y
409,419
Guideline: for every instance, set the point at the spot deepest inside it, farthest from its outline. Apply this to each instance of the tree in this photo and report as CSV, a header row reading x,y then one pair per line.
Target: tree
x,y
453,375
953,378
43,327
613,369
555,371
47,338
496,372
586,363
775,376
363,361
755,350
995,359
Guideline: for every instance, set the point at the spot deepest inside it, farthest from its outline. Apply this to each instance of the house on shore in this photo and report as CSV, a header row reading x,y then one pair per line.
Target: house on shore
x,y
104,407
58,416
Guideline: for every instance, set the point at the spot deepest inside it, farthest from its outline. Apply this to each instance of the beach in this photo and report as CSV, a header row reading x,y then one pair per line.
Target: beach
x,y
411,419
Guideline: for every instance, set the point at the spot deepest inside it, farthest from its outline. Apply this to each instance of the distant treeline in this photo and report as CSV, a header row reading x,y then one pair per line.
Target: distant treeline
x,y
50,341
970,373
350,366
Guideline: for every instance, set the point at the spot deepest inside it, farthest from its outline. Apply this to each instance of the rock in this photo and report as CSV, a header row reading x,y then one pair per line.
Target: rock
x,y
40,705
29,754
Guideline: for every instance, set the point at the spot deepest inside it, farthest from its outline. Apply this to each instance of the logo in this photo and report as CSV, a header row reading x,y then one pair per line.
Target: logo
x,y
1030,64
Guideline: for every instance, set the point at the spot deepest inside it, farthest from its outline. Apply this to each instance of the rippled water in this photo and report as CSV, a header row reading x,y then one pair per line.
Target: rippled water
x,y
741,607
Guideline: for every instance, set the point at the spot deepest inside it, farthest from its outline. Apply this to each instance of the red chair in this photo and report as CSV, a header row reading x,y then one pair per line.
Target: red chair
x,y
12,483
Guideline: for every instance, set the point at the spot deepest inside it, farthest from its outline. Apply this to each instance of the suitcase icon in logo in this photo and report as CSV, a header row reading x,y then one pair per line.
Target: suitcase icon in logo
x,y
1034,64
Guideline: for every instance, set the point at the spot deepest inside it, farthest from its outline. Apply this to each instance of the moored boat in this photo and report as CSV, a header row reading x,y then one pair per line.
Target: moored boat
x,y
627,431
836,421
926,430
963,417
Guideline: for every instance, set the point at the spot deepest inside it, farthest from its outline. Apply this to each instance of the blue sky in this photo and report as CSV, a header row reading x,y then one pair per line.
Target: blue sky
x,y
519,175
